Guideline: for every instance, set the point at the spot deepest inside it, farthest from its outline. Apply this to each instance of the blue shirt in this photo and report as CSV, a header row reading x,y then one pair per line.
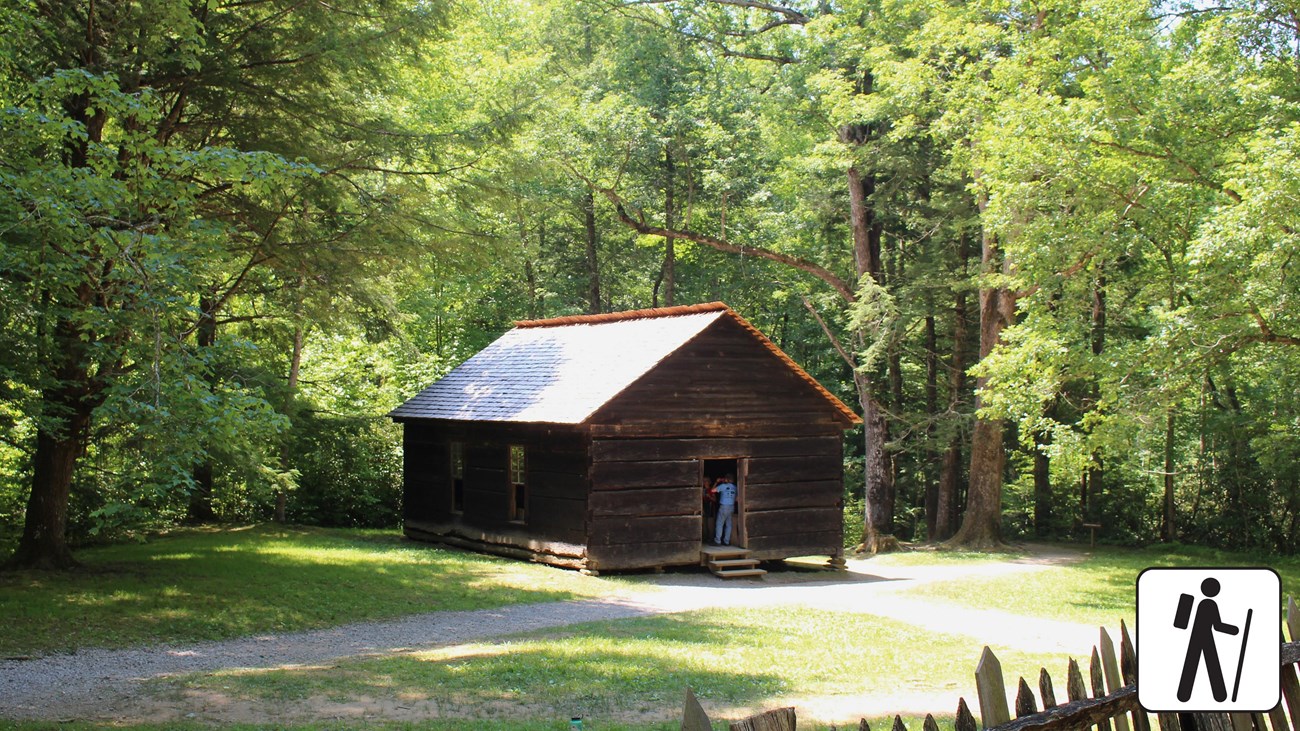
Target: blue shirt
x,y
726,493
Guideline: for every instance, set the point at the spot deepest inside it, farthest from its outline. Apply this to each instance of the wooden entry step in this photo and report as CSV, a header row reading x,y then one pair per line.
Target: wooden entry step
x,y
730,562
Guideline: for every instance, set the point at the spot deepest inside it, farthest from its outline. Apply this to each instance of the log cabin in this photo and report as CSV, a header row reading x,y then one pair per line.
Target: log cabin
x,y
587,442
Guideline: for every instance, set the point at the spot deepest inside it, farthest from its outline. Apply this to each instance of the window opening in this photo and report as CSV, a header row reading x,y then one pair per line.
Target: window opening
x,y
518,487
457,477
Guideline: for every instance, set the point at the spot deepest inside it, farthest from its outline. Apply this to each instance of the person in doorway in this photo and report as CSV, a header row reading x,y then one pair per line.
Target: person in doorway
x,y
710,505
726,488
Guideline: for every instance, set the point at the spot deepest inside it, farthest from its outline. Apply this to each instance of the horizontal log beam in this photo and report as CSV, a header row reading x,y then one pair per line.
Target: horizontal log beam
x,y
1079,714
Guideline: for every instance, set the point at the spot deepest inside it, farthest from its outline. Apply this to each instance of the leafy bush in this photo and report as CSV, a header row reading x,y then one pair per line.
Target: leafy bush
x,y
854,518
349,472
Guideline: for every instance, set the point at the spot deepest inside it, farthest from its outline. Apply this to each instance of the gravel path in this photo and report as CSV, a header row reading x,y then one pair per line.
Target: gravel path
x,y
104,684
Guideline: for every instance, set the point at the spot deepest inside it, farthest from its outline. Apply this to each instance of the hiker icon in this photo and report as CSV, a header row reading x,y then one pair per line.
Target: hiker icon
x,y
1203,645
1205,639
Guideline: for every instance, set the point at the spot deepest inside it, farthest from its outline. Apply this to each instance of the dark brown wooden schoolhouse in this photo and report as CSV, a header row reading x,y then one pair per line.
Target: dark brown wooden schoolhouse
x,y
586,442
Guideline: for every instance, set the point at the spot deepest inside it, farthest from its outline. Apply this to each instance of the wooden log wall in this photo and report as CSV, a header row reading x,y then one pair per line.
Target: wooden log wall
x,y
424,475
645,508
555,468
722,383
794,502
646,500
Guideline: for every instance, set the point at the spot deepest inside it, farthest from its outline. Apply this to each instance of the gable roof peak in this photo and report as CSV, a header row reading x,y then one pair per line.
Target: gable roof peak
x,y
561,370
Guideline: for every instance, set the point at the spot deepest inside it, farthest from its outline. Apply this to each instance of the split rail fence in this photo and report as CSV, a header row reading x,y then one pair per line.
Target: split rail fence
x,y
1105,700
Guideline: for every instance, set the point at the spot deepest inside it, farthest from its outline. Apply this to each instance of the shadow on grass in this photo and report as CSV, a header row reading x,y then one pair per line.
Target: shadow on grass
x,y
578,674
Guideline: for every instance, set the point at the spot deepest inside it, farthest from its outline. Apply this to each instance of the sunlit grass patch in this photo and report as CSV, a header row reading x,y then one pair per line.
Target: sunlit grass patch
x,y
931,557
1100,589
216,584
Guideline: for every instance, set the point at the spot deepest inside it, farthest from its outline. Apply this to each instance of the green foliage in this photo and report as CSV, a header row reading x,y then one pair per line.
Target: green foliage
x,y
349,473
244,294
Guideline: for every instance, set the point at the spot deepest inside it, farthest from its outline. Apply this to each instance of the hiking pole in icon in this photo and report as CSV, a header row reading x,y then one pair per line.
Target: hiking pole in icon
x,y
1245,637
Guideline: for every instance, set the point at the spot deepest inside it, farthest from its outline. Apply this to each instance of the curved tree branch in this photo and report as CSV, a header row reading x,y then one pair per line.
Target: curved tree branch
x,y
639,225
1266,334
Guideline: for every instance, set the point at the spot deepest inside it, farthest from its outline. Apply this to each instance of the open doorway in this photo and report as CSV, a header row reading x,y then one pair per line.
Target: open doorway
x,y
710,471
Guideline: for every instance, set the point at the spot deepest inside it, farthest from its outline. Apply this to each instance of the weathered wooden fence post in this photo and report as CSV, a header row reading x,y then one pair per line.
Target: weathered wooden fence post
x,y
693,716
992,690
964,721
1045,689
1110,666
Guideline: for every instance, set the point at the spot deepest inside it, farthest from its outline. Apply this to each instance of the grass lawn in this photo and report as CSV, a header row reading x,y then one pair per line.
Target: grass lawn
x,y
217,584
631,668
1099,590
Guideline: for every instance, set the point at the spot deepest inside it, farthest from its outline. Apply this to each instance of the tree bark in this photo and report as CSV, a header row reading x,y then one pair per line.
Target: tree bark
x,y
933,455
295,369
879,490
879,478
950,474
61,439
1042,486
670,254
950,483
1168,528
1096,472
44,541
593,264
200,505
981,527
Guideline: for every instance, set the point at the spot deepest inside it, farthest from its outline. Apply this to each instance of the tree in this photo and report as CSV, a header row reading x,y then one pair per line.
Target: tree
x,y
130,191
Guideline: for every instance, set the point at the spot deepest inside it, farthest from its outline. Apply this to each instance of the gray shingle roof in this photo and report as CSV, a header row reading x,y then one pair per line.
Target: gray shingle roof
x,y
557,374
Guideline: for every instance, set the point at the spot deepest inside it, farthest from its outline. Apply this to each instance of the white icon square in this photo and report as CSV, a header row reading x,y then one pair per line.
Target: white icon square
x,y
1208,639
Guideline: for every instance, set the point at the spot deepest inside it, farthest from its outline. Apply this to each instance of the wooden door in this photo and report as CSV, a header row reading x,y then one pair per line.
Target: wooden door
x,y
742,505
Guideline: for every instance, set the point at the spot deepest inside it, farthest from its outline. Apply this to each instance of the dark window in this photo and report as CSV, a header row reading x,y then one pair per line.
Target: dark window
x,y
518,487
457,477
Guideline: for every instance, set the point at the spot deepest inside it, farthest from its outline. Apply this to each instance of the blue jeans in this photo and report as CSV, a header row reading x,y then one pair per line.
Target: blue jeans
x,y
722,533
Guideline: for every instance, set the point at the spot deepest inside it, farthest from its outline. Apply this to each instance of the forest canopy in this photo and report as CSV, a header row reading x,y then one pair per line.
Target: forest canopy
x,y
1046,249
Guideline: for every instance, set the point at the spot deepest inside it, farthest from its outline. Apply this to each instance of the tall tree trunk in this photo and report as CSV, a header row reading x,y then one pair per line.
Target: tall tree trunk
x,y
68,403
670,254
880,480
61,439
1096,471
593,265
530,273
950,472
879,489
295,368
1168,528
44,541
981,526
1042,486
947,506
933,455
200,505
